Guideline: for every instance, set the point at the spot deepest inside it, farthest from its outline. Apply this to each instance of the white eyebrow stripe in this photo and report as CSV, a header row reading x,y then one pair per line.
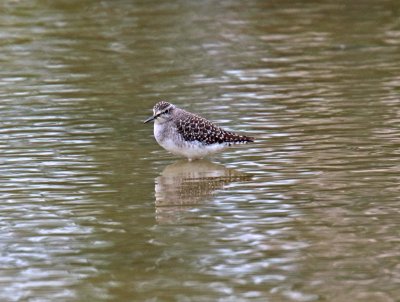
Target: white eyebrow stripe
x,y
168,108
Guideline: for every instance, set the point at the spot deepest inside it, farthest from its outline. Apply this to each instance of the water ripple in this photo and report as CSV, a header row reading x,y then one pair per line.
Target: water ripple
x,y
93,209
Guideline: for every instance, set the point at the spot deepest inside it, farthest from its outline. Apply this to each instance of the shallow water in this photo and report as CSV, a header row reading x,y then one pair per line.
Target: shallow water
x,y
92,209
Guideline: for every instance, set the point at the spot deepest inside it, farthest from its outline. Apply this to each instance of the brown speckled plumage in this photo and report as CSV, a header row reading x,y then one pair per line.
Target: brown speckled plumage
x,y
195,128
161,106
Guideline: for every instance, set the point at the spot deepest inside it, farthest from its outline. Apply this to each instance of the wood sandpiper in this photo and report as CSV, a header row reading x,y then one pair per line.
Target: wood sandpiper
x,y
189,135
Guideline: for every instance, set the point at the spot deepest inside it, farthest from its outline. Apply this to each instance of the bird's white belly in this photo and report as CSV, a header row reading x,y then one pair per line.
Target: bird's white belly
x,y
189,149
193,149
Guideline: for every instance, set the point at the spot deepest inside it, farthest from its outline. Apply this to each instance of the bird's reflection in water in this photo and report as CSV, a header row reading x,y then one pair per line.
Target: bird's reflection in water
x,y
183,185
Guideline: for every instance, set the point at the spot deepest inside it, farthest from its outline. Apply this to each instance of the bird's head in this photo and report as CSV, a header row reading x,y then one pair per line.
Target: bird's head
x,y
162,111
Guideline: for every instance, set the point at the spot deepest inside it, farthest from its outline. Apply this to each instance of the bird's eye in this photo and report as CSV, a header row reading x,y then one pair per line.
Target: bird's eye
x,y
166,111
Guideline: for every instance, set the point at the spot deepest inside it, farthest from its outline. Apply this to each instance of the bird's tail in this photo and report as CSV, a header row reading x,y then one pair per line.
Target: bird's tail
x,y
239,139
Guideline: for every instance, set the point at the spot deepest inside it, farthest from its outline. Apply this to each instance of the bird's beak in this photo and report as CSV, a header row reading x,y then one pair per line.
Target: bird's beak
x,y
149,119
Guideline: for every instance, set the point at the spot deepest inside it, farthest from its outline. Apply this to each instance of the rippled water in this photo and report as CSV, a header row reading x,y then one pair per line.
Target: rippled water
x,y
92,209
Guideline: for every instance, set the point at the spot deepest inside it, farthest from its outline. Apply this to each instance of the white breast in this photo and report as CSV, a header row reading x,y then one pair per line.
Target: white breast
x,y
158,132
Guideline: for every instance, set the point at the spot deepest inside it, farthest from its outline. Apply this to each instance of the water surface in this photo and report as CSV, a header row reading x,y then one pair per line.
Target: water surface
x,y
92,209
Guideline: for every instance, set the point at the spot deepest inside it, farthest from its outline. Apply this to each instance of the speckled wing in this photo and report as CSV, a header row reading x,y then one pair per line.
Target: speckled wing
x,y
195,128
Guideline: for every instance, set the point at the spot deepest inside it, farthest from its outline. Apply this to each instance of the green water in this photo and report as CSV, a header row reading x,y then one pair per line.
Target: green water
x,y
92,209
